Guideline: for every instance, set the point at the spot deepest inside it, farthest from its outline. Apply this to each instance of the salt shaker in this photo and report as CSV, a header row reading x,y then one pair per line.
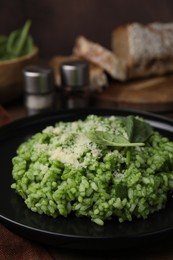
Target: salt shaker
x,y
39,89
75,84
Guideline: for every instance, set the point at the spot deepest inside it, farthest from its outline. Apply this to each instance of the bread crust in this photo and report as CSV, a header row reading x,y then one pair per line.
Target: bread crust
x,y
146,49
100,56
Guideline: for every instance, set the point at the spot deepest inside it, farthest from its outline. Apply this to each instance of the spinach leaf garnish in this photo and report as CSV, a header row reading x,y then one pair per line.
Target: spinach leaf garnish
x,y
137,131
108,139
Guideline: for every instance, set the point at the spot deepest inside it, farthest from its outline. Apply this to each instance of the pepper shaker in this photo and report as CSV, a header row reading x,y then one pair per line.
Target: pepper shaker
x,y
75,84
39,89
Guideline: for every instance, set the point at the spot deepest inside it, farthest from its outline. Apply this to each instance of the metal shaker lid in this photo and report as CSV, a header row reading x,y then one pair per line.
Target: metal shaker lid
x,y
75,73
38,79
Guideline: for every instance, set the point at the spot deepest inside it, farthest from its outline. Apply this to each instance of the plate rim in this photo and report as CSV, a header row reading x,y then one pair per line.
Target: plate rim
x,y
22,123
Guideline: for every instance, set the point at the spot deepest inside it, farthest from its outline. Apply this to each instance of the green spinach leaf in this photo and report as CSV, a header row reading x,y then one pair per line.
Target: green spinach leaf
x,y
137,129
18,43
108,139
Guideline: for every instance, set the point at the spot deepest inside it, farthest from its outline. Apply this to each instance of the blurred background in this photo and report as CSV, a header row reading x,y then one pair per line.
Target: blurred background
x,y
56,23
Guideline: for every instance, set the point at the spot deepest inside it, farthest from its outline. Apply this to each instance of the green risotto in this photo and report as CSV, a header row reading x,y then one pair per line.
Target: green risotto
x,y
101,167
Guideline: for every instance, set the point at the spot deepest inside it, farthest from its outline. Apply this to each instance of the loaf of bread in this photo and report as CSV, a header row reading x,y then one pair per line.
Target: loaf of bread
x,y
100,56
145,49
98,78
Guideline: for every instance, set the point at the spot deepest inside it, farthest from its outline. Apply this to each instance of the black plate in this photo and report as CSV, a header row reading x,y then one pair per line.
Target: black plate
x,y
73,232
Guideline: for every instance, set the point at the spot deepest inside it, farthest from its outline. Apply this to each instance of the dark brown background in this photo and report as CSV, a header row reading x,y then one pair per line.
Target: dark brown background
x,y
56,23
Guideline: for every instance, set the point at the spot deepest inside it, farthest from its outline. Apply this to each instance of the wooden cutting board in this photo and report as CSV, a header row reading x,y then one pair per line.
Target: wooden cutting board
x,y
154,94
